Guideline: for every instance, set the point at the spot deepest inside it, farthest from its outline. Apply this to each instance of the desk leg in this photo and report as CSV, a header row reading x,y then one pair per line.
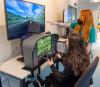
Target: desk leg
x,y
22,83
0,82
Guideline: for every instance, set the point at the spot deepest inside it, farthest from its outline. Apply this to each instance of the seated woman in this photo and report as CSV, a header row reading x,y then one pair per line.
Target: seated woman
x,y
75,63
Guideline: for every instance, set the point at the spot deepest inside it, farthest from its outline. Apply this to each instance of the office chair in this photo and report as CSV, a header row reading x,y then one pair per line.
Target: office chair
x,y
84,80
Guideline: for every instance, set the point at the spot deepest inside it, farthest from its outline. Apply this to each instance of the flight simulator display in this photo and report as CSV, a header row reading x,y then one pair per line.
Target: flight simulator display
x,y
37,47
43,46
23,17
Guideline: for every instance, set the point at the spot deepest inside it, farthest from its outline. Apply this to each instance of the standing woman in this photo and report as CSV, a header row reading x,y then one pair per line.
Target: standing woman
x,y
84,26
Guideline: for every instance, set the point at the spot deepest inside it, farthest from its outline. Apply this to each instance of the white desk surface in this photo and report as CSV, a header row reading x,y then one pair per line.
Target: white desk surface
x,y
62,40
13,68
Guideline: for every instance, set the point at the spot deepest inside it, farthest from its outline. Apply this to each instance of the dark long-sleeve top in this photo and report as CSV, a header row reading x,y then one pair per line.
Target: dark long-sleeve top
x,y
66,76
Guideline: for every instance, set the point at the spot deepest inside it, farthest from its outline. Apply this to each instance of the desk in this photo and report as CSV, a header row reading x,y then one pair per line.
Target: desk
x,y
62,40
13,68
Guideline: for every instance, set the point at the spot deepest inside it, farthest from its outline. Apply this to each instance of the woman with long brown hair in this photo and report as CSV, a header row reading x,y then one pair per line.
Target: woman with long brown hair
x,y
75,63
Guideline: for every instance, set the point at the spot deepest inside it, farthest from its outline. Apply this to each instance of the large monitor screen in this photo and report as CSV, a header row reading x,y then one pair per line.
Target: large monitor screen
x,y
18,15
44,46
70,14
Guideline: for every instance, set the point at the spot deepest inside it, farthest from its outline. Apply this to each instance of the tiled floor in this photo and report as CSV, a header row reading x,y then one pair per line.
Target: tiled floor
x,y
11,82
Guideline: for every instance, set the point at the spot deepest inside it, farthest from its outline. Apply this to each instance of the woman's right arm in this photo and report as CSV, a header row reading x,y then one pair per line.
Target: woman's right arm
x,y
64,25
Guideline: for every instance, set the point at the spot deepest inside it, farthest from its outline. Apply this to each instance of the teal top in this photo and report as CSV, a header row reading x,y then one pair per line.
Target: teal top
x,y
92,35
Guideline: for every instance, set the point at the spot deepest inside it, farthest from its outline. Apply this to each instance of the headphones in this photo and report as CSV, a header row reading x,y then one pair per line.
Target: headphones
x,y
79,21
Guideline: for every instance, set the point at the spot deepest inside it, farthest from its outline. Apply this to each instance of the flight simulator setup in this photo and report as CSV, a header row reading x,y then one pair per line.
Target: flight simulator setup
x,y
26,21
37,48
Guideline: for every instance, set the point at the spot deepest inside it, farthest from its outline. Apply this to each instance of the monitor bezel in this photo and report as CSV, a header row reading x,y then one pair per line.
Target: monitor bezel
x,y
5,13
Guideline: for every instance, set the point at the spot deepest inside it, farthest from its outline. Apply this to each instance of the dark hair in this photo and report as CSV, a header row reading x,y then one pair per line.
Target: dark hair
x,y
76,57
79,21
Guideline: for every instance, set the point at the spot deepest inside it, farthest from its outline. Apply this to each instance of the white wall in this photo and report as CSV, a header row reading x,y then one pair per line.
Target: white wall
x,y
63,5
5,45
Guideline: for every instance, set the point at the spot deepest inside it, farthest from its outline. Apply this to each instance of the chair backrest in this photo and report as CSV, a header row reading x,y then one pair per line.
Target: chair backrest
x,y
84,80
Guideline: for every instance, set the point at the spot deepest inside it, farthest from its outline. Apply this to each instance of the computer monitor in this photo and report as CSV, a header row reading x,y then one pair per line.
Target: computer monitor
x,y
19,14
44,46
